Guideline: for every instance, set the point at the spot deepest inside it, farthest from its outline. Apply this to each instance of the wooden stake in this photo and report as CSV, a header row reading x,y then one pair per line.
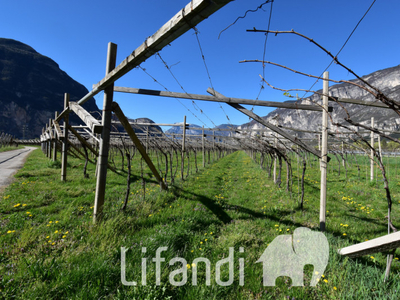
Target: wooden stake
x,y
64,152
55,140
183,146
324,153
105,136
372,151
203,148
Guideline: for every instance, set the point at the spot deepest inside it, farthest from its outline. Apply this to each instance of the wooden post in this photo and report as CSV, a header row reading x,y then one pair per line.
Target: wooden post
x,y
275,144
213,146
203,148
183,146
64,151
55,141
324,153
372,151
51,141
105,136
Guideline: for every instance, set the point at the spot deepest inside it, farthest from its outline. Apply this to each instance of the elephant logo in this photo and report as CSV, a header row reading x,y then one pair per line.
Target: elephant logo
x,y
287,256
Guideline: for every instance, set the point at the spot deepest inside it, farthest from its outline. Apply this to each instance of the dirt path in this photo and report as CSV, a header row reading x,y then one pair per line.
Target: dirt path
x,y
10,163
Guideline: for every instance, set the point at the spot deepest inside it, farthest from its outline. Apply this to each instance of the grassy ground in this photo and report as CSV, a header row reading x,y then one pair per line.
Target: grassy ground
x,y
9,148
50,248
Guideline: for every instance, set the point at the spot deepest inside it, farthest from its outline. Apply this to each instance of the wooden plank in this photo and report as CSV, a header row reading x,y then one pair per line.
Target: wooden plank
x,y
124,121
274,128
194,12
86,117
216,99
359,102
381,244
58,129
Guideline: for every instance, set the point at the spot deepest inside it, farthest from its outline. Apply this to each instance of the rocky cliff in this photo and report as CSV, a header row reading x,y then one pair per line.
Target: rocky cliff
x,y
32,88
387,80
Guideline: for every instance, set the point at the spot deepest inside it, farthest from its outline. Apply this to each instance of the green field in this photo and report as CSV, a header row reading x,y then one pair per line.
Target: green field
x,y
50,248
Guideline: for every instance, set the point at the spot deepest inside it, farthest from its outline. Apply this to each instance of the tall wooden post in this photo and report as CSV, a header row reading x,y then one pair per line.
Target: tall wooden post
x,y
203,148
65,141
372,151
343,153
55,141
105,136
183,146
275,143
51,139
213,146
324,153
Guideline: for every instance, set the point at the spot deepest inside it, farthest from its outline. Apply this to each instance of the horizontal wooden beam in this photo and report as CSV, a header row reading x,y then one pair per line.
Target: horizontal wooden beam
x,y
358,102
381,244
192,14
216,99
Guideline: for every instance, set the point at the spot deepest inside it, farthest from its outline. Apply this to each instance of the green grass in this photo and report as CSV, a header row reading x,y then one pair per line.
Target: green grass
x,y
50,248
10,148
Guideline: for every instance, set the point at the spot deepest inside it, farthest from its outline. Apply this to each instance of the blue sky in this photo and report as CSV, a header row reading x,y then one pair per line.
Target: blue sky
x,y
75,34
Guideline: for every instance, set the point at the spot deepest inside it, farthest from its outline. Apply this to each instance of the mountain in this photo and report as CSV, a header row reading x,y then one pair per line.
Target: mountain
x,y
387,80
218,131
32,88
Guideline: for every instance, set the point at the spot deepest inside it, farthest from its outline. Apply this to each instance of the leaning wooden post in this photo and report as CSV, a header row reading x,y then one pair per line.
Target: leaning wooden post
x,y
203,148
372,151
183,146
324,153
64,151
102,161
55,140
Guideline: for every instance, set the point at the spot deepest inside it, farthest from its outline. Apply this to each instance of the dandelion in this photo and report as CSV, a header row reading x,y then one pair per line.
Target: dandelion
x,y
188,266
56,221
47,237
344,234
9,231
27,212
53,243
205,240
277,225
201,242
56,231
335,288
66,232
50,222
18,204
326,280
24,204
372,257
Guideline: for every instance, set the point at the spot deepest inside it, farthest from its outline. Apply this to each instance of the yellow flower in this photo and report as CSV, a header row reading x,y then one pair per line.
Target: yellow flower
x,y
193,265
9,231
372,257
47,237
66,232
56,231
50,222
201,242
16,205
27,212
326,280
210,232
24,204
344,234
63,236
277,225
56,221
205,240
53,243
188,266
335,288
